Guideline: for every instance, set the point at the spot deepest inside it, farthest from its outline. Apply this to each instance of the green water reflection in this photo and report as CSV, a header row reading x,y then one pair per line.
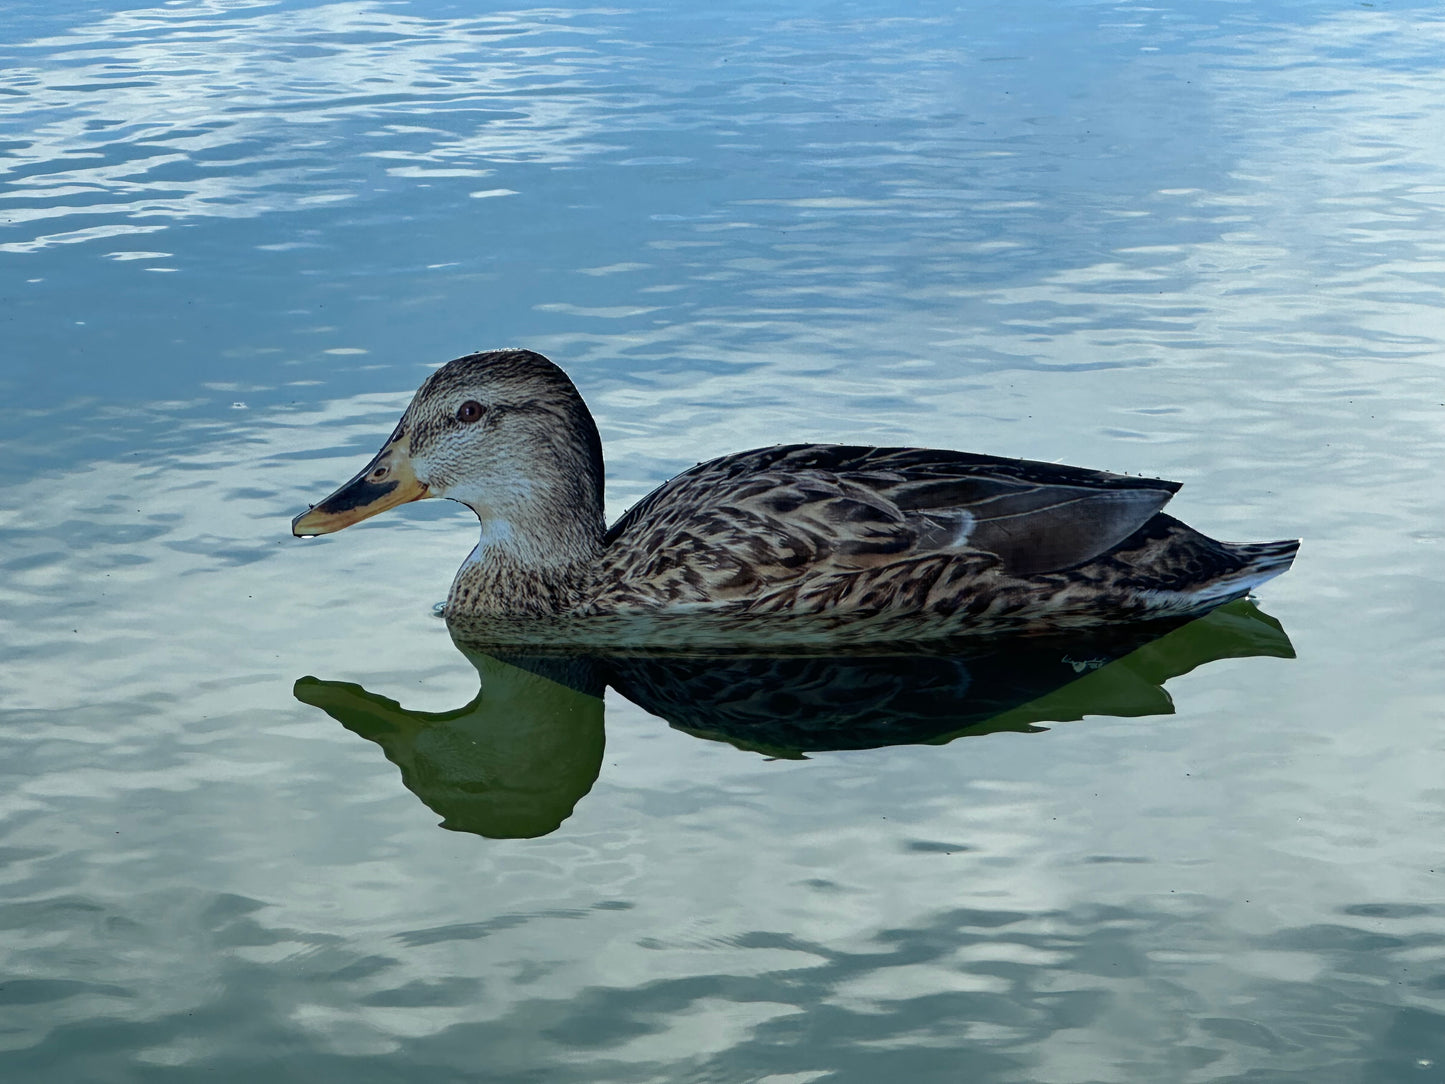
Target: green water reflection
x,y
515,761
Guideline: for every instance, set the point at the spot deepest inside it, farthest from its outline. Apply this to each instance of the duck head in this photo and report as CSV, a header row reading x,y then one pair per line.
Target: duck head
x,y
505,433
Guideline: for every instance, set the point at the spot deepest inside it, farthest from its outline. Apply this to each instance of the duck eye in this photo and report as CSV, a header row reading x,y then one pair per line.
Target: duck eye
x,y
470,411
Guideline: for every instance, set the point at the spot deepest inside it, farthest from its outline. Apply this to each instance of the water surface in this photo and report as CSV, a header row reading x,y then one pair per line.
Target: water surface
x,y
1198,241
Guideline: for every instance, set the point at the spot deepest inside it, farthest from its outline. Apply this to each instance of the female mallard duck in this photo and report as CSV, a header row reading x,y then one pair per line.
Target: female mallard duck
x,y
938,542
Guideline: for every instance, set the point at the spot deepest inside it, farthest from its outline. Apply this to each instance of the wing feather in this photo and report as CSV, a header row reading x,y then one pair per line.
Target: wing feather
x,y
756,521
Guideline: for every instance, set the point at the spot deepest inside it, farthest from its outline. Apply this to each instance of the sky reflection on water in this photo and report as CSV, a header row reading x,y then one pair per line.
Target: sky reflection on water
x,y
1194,241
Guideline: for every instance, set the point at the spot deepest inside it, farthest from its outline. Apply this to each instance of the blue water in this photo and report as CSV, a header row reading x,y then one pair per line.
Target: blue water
x,y
1198,241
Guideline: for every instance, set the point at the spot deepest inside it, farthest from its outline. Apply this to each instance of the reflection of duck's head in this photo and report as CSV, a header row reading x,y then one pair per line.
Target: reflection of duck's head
x,y
510,765
506,434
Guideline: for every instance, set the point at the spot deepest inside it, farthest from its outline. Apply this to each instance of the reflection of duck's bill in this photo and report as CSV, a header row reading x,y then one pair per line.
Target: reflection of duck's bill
x,y
385,482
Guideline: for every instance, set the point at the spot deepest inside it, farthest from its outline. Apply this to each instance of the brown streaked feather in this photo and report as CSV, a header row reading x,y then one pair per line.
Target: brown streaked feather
x,y
815,526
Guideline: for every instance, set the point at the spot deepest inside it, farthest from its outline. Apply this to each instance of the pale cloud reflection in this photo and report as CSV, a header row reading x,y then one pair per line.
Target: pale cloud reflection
x,y
241,108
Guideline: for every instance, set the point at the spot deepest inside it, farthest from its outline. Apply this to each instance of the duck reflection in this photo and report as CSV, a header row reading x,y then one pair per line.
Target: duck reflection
x,y
515,761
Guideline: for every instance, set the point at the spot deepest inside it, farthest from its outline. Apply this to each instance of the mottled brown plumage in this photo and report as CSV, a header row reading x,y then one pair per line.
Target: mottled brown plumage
x,y
916,541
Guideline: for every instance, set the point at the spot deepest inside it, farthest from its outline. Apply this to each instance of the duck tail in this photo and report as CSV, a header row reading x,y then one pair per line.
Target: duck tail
x,y
1266,560
1259,562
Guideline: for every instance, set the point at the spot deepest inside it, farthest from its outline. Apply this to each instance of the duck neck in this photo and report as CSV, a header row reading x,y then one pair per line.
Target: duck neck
x,y
527,569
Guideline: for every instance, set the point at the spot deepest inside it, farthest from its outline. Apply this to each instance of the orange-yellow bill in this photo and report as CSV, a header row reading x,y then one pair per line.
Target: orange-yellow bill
x,y
385,482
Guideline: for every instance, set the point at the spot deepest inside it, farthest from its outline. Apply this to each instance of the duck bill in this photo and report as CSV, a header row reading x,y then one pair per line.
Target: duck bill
x,y
385,482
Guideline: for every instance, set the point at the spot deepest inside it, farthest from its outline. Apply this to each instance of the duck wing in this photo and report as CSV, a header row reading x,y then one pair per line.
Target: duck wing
x,y
752,521
1035,517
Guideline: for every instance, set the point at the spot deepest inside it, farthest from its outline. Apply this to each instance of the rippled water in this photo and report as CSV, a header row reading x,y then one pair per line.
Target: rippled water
x,y
1199,241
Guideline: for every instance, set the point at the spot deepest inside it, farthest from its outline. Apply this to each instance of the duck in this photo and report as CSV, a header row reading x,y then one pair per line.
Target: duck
x,y
926,541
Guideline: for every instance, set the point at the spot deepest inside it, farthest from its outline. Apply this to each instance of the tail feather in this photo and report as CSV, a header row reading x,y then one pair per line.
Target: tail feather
x,y
1259,563
1265,560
